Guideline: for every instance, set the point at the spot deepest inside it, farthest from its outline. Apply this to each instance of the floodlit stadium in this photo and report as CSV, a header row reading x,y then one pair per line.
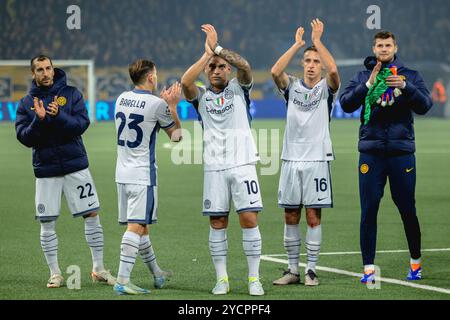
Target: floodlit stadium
x,y
95,43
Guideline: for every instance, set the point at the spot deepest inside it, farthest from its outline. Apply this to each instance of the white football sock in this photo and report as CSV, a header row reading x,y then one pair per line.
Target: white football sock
x,y
129,249
218,247
312,244
292,241
251,240
93,232
415,261
369,268
148,255
49,245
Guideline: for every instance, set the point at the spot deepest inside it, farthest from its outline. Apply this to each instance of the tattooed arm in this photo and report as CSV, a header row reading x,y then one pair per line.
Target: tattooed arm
x,y
244,73
190,90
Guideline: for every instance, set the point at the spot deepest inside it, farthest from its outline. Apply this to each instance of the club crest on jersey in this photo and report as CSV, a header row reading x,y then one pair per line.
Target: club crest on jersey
x,y
228,94
61,101
364,168
41,208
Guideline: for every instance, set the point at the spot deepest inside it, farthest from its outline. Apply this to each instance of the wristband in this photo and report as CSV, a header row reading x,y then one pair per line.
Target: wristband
x,y
218,49
368,85
404,85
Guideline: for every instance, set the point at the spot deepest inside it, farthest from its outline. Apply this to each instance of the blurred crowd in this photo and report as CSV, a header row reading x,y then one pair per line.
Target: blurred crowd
x,y
114,32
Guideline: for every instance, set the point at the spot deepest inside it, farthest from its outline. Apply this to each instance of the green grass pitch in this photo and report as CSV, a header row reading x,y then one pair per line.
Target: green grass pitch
x,y
180,237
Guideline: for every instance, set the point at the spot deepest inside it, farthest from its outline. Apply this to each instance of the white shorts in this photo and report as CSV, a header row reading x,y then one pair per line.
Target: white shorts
x,y
79,191
239,183
305,183
137,203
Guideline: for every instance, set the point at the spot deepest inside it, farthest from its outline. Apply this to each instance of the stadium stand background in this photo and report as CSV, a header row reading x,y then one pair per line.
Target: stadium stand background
x,y
113,33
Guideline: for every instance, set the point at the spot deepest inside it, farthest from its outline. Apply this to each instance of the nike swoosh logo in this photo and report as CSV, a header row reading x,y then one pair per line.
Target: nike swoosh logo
x,y
252,202
90,204
409,170
320,199
209,99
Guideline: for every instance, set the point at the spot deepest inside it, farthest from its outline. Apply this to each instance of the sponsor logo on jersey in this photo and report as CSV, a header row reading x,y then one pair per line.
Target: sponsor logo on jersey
x,y
227,109
306,106
221,103
308,101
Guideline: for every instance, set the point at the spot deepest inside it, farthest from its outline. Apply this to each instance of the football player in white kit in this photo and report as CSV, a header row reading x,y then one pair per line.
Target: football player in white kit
x,y
305,179
139,115
229,155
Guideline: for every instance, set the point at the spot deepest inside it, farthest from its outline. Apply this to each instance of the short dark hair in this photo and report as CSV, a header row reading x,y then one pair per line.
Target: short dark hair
x,y
139,69
40,57
310,48
383,35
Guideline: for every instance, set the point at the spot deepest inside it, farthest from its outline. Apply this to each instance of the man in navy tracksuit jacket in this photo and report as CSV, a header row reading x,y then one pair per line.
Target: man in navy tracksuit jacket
x,y
51,120
386,146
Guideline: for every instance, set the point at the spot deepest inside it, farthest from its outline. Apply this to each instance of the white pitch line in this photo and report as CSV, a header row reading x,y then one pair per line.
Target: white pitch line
x,y
359,252
359,275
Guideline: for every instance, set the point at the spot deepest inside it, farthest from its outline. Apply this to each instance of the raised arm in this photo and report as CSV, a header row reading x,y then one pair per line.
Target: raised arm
x,y
244,71
172,96
327,59
279,76
188,79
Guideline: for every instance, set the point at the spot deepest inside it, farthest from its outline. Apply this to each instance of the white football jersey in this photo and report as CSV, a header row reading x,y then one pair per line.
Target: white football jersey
x,y
139,115
307,133
225,117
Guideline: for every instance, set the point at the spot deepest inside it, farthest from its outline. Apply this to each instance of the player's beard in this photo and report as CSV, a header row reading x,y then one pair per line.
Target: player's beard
x,y
384,59
44,85
219,84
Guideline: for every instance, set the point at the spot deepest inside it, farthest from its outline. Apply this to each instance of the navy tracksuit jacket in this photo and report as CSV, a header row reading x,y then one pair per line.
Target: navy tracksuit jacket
x,y
56,141
386,146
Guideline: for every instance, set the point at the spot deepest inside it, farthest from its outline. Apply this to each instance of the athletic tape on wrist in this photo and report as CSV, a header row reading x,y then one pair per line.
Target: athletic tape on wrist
x,y
218,49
